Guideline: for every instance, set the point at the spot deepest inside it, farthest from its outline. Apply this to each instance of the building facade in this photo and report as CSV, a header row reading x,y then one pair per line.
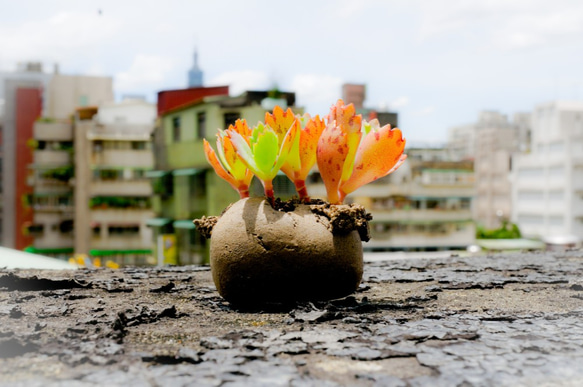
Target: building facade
x,y
22,92
32,96
425,205
91,196
113,154
490,143
547,185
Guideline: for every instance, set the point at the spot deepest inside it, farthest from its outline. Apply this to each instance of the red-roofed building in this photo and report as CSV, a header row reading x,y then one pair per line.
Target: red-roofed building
x,y
172,99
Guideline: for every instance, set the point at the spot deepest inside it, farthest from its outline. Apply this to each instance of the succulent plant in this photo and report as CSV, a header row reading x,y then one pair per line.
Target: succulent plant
x,y
349,152
263,153
228,165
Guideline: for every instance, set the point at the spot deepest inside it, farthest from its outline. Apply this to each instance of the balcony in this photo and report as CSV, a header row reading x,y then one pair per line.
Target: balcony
x,y
46,158
53,131
115,215
420,240
123,158
121,188
421,215
52,202
138,132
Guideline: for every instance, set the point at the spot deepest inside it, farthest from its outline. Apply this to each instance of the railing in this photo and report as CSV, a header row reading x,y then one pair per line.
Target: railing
x,y
123,158
45,158
121,131
53,131
420,215
418,240
121,188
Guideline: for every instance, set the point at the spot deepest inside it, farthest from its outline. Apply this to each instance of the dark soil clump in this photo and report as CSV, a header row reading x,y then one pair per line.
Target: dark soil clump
x,y
343,218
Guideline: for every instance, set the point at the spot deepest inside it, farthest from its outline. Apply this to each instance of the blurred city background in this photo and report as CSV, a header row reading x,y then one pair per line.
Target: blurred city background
x,y
104,105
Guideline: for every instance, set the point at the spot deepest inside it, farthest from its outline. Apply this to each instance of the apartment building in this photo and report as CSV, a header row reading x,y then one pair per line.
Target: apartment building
x,y
22,92
547,182
113,154
426,205
490,143
33,97
50,176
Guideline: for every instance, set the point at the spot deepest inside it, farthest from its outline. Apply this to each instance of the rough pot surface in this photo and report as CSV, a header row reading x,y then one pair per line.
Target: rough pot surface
x,y
259,254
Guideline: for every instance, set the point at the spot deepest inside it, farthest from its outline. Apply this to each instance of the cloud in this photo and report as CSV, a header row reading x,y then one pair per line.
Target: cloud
x,y
316,92
428,110
241,81
503,24
58,38
145,72
399,102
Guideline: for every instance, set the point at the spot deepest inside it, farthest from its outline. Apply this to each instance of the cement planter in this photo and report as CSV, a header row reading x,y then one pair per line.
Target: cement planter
x,y
303,252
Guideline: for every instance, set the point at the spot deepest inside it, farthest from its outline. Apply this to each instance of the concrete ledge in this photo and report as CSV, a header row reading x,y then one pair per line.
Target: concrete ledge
x,y
488,321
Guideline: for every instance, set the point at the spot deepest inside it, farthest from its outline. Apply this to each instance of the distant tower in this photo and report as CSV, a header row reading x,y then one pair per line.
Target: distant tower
x,y
195,74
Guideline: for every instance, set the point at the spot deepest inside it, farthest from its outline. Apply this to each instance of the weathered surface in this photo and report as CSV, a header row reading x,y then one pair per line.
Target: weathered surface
x,y
513,320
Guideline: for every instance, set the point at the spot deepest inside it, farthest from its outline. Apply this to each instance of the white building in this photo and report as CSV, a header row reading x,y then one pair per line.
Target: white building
x,y
547,188
490,142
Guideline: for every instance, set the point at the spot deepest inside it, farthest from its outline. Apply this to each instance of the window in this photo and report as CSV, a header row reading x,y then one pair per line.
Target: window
x,y
97,146
123,230
139,145
107,174
66,226
198,185
176,129
530,173
201,125
530,195
556,171
556,220
556,195
231,118
556,147
527,219
36,230
578,129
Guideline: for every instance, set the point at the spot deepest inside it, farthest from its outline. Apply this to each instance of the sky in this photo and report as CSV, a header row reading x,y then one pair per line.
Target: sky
x,y
438,63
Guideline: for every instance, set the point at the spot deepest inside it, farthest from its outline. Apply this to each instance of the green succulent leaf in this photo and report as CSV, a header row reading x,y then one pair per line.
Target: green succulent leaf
x,y
265,151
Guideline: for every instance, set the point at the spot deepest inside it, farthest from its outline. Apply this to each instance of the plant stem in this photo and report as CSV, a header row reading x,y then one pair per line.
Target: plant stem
x,y
302,190
268,187
243,191
342,197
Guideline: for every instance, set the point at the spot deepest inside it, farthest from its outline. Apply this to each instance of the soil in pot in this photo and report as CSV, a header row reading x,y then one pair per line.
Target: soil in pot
x,y
285,253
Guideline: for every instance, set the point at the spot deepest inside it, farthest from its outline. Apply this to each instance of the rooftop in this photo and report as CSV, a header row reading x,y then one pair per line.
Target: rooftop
x,y
442,321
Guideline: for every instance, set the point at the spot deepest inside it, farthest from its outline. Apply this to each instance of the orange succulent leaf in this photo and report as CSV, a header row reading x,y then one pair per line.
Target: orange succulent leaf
x,y
280,121
345,116
293,165
331,155
379,153
241,127
290,143
337,148
229,157
213,160
309,137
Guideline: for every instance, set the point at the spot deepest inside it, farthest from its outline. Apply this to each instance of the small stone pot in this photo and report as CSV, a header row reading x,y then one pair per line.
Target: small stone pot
x,y
262,255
